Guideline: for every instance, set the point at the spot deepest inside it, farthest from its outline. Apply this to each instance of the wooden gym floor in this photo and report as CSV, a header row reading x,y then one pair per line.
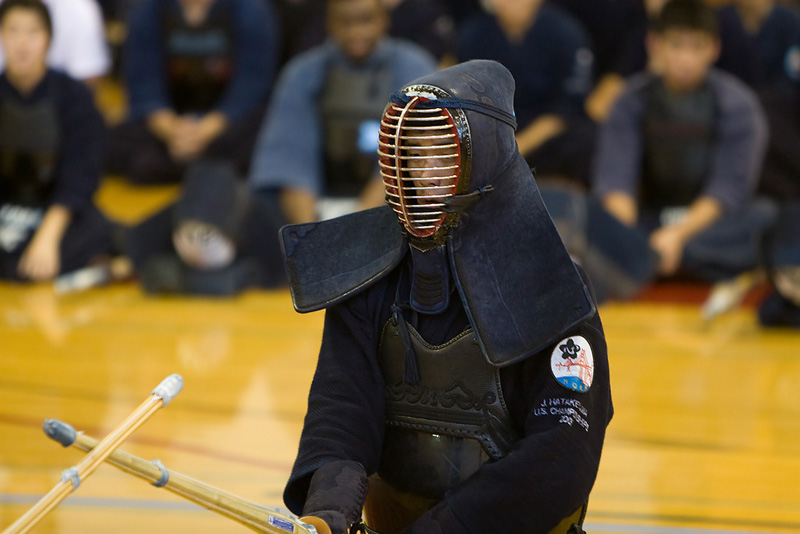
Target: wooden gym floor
x,y
706,436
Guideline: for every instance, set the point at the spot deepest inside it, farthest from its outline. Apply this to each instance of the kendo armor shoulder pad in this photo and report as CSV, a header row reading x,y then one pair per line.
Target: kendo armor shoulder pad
x,y
330,261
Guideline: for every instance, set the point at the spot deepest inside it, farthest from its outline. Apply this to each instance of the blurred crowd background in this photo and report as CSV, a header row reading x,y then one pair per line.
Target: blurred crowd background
x,y
664,135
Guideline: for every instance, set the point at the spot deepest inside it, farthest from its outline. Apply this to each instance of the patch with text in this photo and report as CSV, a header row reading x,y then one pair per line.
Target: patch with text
x,y
572,363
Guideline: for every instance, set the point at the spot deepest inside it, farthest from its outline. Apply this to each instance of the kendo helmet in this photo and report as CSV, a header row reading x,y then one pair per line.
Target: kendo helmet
x,y
425,152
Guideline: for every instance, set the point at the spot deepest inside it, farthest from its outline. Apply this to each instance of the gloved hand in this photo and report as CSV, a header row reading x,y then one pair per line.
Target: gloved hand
x,y
336,494
318,523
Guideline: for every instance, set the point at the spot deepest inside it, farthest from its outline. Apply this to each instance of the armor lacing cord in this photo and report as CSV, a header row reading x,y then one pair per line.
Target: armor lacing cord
x,y
410,371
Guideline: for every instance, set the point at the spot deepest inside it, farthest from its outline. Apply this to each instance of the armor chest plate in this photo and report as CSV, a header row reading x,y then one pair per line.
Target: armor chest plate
x,y
199,60
29,142
679,145
439,431
458,394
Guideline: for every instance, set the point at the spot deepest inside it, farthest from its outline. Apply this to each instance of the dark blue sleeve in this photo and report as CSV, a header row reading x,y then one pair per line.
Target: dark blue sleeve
x,y
345,414
784,47
618,154
632,56
82,145
468,38
573,64
551,470
143,62
740,145
288,147
255,61
739,52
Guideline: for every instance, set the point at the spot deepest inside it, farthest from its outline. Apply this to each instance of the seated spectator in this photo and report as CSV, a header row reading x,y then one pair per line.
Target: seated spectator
x,y
218,238
51,144
681,151
427,23
548,53
764,41
607,22
197,73
78,45
633,56
620,46
318,146
769,61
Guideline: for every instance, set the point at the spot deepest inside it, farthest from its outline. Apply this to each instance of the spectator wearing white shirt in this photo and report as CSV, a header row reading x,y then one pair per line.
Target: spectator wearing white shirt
x,y
79,47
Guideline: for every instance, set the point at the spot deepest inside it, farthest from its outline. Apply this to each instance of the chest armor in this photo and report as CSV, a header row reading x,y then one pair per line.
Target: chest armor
x,y
679,146
351,106
29,144
439,431
199,59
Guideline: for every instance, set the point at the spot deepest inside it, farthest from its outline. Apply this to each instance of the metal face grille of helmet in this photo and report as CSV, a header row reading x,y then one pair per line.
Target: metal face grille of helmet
x,y
421,161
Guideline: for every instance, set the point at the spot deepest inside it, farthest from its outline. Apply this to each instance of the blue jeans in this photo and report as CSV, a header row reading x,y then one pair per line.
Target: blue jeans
x,y
619,260
730,246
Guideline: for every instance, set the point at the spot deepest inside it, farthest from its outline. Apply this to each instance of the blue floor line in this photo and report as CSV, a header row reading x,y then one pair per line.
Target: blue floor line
x,y
153,504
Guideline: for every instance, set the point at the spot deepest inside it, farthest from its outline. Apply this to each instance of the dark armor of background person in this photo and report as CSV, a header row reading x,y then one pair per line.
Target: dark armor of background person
x,y
679,139
30,138
51,141
199,59
351,102
463,368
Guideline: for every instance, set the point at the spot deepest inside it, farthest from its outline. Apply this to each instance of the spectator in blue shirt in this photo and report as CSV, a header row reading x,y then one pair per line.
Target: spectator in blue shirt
x,y
317,149
427,23
549,55
768,59
198,74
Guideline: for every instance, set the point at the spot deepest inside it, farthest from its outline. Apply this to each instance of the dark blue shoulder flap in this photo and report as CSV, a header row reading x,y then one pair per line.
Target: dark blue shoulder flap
x,y
520,289
329,261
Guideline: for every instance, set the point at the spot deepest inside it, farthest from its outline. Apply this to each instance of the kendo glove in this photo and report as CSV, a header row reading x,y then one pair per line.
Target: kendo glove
x,y
336,494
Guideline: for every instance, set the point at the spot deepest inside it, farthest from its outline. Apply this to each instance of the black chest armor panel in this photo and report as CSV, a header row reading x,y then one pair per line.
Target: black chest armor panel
x,y
29,142
679,142
199,59
439,431
351,106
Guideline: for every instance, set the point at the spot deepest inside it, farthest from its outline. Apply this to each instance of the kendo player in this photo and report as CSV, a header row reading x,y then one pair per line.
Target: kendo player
x,y
462,383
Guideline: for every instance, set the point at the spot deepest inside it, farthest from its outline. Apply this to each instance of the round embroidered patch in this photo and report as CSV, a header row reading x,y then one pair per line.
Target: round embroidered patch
x,y
572,363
